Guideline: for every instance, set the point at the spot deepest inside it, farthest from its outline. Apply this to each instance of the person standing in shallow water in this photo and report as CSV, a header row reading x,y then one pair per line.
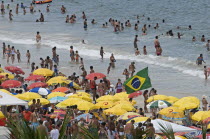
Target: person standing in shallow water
x,y
102,52
112,61
206,72
38,37
200,60
135,41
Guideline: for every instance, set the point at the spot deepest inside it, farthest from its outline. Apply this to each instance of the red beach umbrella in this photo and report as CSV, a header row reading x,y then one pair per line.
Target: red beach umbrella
x,y
11,84
37,84
92,75
35,78
1,76
61,89
135,94
15,70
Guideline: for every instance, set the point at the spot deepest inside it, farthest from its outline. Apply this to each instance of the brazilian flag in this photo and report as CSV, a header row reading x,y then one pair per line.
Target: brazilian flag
x,y
138,82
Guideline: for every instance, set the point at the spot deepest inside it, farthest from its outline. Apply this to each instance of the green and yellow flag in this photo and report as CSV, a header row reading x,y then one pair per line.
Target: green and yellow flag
x,y
138,82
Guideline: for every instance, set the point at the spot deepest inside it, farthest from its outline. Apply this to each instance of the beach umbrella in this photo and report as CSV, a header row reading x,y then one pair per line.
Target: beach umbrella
x,y
10,76
43,101
35,78
120,96
28,96
61,89
172,113
36,85
84,97
11,84
15,70
69,94
74,85
180,137
138,119
84,116
84,106
114,111
103,104
172,99
57,99
1,70
41,91
187,103
106,98
1,115
83,93
125,107
2,76
201,115
69,102
157,97
5,91
58,80
91,76
128,115
207,120
57,114
123,102
55,94
135,94
158,104
43,72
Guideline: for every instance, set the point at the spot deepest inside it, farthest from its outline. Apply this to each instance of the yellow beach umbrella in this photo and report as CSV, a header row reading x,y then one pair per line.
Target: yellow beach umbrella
x,y
114,111
127,115
157,97
5,91
55,94
139,119
69,102
172,113
103,104
43,101
28,96
123,102
180,137
1,115
119,96
1,70
172,99
106,98
10,76
187,103
85,106
84,97
57,80
125,107
201,115
43,72
83,93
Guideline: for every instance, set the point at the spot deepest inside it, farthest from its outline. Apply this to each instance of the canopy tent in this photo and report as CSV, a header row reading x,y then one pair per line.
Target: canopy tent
x,y
6,99
175,127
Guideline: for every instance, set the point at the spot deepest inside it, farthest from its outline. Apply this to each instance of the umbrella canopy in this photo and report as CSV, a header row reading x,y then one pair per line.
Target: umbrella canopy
x,y
157,97
1,76
36,85
58,114
61,89
92,75
83,93
187,103
84,97
119,96
158,104
172,99
128,115
125,107
10,76
5,91
57,80
172,113
55,94
11,84
43,72
114,111
1,115
35,78
15,70
57,99
135,94
69,102
103,104
43,101
74,85
41,91
125,102
84,105
28,96
106,98
139,119
84,116
201,115
207,120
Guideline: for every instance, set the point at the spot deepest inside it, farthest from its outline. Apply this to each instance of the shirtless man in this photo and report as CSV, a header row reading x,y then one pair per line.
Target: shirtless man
x,y
137,52
102,52
151,131
54,55
132,68
83,15
34,118
10,15
101,88
93,88
112,60
31,8
17,7
129,129
28,55
203,38
156,42
63,9
38,37
2,8
18,56
72,53
91,69
135,41
42,63
4,49
24,10
84,74
206,73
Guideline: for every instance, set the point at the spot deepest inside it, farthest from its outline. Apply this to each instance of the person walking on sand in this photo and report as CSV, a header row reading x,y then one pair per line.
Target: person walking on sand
x,y
204,103
28,55
38,37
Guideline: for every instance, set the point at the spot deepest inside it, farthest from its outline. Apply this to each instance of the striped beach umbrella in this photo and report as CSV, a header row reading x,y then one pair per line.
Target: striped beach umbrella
x,y
158,104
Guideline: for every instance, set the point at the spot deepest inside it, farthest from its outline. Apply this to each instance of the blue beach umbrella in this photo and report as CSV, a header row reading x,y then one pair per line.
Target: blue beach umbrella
x,y
84,116
41,91
57,99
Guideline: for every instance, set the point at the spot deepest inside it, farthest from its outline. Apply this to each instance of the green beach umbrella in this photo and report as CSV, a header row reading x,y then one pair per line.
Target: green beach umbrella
x,y
158,104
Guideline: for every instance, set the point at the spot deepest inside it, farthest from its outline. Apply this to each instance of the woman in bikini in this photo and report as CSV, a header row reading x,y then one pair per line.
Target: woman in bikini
x,y
8,51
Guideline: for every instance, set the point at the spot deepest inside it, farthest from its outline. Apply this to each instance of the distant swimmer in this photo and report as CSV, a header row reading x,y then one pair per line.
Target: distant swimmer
x,y
179,35
38,37
200,60
136,27
17,7
137,52
203,38
93,21
28,55
159,50
83,15
163,20
63,9
208,45
156,42
193,39
10,15
85,24
206,72
48,8
189,27
83,42
132,68
41,19
135,41
24,11
112,60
